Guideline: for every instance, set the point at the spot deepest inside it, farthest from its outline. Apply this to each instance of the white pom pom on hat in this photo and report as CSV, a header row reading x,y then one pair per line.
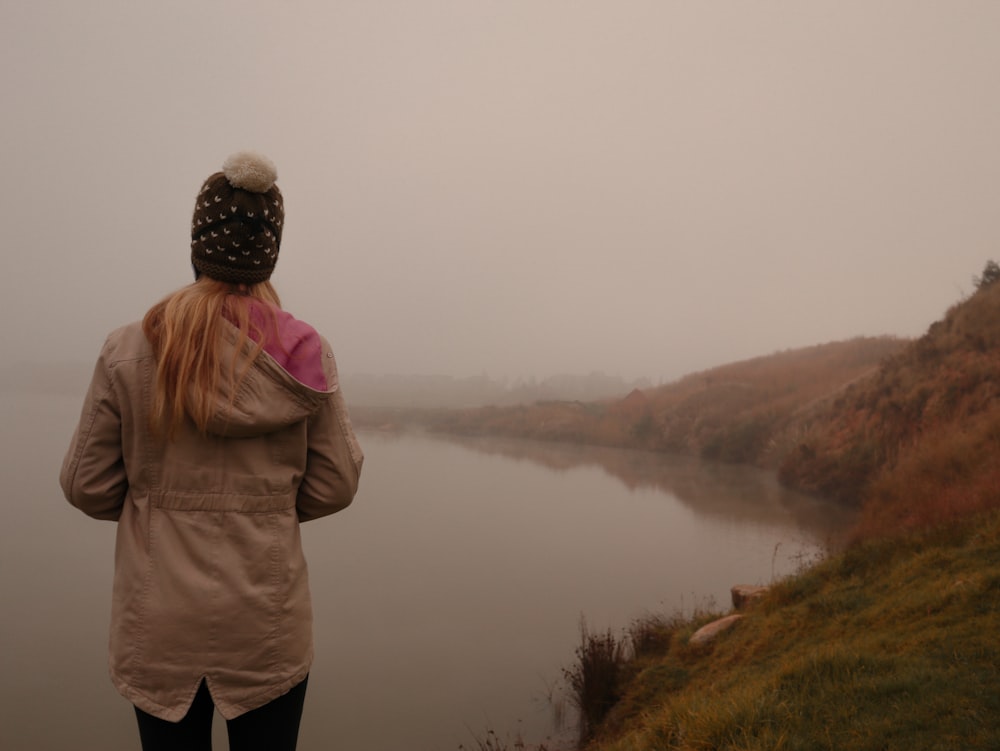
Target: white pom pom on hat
x,y
251,171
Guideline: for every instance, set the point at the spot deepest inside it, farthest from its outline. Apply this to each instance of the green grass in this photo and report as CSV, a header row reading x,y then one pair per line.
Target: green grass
x,y
894,644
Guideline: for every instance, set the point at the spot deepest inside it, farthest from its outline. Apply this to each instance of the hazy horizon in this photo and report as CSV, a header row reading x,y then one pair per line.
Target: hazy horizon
x,y
643,188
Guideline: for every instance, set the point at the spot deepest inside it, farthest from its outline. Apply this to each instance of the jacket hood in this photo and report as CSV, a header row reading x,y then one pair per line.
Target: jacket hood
x,y
267,399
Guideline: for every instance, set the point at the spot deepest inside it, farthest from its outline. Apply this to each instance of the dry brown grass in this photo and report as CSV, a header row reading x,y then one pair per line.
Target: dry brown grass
x,y
919,442
743,412
945,475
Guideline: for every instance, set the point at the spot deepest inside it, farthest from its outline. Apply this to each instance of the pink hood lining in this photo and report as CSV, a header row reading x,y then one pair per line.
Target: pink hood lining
x,y
297,348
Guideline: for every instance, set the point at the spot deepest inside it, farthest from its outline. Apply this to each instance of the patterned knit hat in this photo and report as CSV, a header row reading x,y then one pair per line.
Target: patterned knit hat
x,y
236,228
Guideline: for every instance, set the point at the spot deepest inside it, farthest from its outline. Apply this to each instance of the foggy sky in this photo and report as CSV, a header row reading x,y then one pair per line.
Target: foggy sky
x,y
520,187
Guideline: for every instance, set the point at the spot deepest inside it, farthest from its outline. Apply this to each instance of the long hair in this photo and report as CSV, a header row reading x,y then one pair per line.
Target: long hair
x,y
186,331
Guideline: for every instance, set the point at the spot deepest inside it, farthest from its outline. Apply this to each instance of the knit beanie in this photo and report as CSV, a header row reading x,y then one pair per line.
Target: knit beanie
x,y
236,228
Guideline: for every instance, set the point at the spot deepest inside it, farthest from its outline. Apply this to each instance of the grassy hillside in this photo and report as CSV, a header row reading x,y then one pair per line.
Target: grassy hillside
x,y
891,645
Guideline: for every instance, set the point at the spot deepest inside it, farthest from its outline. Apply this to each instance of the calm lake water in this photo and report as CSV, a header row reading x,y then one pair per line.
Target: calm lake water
x,y
448,598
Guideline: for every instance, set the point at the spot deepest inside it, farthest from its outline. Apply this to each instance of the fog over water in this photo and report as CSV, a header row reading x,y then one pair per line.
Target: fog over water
x,y
508,190
645,188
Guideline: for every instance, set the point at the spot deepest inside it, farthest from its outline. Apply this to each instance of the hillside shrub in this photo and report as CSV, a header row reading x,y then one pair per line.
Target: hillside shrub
x,y
595,680
991,274
742,442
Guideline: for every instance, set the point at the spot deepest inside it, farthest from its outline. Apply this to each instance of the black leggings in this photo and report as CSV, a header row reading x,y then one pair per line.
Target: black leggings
x,y
272,727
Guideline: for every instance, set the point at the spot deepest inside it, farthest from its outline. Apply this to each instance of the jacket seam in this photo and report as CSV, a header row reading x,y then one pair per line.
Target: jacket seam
x,y
141,610
85,436
347,432
276,598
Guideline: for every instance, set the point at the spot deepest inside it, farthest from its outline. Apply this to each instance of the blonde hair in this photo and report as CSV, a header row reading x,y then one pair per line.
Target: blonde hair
x,y
186,331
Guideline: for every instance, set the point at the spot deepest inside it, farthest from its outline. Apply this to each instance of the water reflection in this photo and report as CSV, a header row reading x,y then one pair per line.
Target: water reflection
x,y
731,491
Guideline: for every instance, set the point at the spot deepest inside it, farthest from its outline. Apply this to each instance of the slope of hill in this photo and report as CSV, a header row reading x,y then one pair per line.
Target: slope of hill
x,y
889,645
749,411
743,412
919,441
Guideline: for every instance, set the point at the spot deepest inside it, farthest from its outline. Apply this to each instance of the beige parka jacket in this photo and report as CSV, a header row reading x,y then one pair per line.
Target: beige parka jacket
x,y
210,580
